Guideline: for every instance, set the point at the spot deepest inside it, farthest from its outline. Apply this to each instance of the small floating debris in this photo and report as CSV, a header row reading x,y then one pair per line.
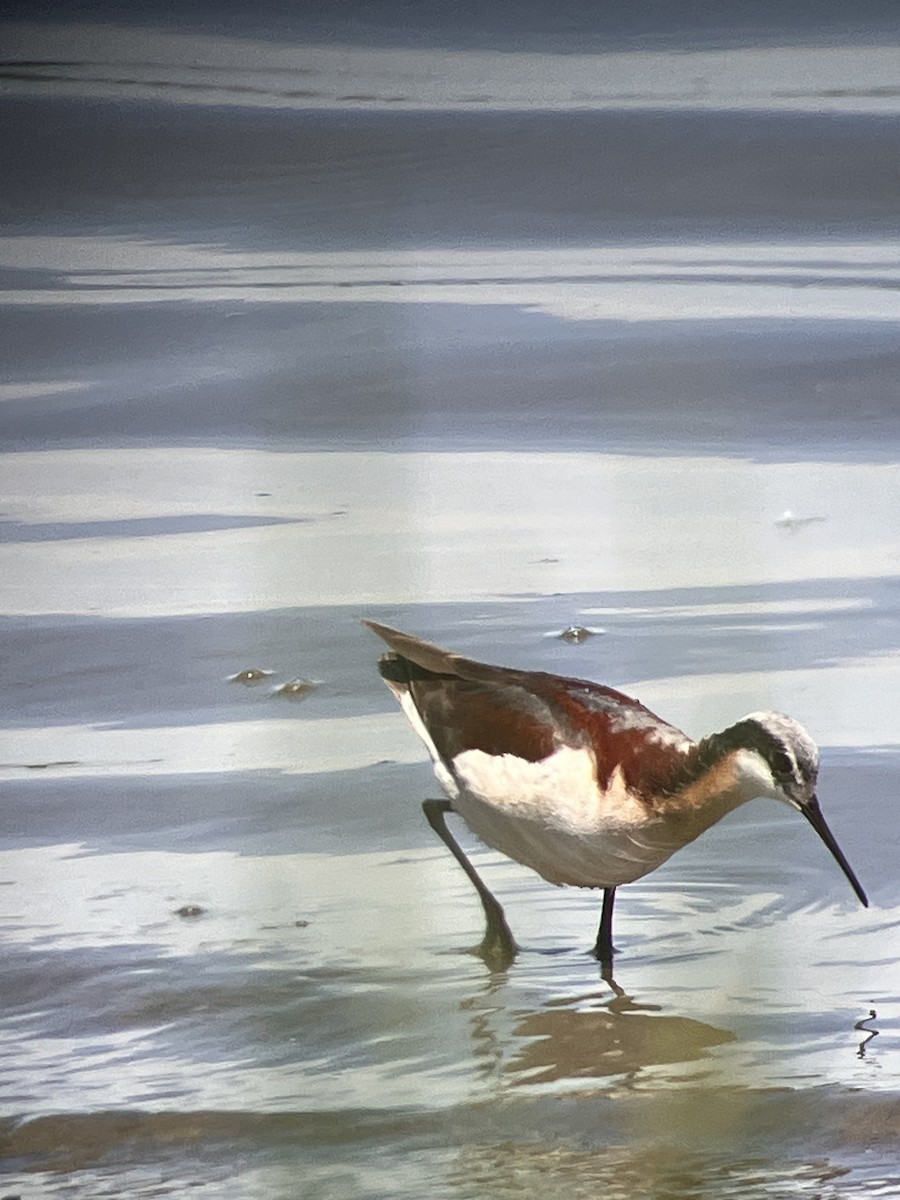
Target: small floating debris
x,y
575,634
295,689
301,924
189,910
789,520
250,677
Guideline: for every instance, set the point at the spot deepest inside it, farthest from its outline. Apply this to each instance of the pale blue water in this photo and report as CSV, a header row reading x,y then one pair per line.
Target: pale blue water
x,y
687,320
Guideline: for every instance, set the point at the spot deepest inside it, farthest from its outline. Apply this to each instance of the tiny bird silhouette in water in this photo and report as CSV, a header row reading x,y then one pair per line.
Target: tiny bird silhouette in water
x,y
579,782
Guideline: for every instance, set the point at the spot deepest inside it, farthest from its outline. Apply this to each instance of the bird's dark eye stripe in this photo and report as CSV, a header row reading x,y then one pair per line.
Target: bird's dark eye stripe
x,y
782,764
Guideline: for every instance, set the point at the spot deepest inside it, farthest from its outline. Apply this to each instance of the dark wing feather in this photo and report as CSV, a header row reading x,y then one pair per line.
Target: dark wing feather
x,y
649,751
436,661
424,654
470,705
462,715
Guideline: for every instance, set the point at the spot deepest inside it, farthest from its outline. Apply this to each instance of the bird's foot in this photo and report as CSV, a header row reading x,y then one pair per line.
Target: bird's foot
x,y
498,946
604,952
497,953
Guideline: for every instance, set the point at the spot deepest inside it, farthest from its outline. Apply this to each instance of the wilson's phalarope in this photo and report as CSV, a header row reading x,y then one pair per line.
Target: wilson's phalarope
x,y
580,782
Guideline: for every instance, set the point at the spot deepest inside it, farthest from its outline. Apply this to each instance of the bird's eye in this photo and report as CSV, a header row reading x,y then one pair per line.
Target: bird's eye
x,y
782,764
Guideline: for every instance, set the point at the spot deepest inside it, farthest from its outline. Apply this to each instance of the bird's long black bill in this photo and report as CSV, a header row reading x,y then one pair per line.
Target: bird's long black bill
x,y
813,814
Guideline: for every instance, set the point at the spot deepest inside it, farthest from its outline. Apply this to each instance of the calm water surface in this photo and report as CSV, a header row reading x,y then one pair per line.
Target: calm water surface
x,y
482,374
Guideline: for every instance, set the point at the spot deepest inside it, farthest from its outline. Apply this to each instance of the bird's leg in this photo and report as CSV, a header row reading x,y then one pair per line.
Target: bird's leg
x,y
604,948
498,947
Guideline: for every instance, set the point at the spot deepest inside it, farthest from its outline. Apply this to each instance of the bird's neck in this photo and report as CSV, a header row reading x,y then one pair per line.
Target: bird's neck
x,y
715,777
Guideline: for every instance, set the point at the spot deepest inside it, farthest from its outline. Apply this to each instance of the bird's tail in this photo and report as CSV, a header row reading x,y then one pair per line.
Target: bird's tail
x,y
423,658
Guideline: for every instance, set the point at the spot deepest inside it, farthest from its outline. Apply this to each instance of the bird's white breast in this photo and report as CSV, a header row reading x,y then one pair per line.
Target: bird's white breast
x,y
553,816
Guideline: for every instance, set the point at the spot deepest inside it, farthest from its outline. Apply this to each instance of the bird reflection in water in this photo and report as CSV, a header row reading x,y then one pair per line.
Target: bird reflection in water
x,y
599,1034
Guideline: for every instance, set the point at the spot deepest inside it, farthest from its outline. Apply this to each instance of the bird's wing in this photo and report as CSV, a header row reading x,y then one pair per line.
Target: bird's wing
x,y
469,705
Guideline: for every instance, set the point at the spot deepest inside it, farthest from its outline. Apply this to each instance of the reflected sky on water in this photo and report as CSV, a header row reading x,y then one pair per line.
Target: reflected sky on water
x,y
482,328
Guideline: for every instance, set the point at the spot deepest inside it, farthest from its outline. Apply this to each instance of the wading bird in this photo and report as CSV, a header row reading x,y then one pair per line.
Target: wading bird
x,y
579,782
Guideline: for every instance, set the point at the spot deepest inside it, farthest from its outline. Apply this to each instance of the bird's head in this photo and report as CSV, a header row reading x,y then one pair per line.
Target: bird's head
x,y
778,758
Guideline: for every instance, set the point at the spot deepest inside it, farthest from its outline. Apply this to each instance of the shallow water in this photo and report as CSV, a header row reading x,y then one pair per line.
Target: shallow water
x,y
322,1013
269,372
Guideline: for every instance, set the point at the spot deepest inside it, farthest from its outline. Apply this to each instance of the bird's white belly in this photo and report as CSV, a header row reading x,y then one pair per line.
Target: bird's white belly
x,y
552,816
